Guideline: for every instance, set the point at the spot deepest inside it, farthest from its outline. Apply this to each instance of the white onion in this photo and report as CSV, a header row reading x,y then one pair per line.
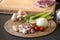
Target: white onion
x,y
42,22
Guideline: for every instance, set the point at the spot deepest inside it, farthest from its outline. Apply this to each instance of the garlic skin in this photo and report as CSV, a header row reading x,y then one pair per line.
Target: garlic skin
x,y
19,16
13,18
19,12
15,28
32,30
24,31
24,14
20,28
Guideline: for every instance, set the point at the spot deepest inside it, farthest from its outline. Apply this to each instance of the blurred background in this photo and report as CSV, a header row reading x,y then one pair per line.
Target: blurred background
x,y
58,1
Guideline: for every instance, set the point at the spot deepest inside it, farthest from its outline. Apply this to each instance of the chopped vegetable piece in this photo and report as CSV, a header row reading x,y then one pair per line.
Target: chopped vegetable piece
x,y
15,28
37,15
49,17
35,27
27,19
24,31
32,30
46,15
14,17
42,28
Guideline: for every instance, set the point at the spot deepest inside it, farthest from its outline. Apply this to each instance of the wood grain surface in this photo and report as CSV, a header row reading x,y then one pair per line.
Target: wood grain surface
x,y
9,29
7,6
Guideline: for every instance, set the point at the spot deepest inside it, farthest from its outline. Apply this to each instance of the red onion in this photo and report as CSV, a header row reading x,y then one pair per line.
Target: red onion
x,y
44,3
32,30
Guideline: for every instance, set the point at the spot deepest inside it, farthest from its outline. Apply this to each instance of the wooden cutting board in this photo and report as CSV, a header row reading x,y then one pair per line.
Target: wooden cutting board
x,y
24,5
8,27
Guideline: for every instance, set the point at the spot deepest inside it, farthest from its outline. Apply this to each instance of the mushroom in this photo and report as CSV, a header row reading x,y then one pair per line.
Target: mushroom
x,y
21,15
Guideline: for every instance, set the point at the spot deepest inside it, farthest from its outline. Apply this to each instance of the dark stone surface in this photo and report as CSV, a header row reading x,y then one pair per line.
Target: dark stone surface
x,y
5,36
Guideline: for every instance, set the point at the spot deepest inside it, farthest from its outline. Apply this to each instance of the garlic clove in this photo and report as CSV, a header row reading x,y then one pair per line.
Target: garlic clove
x,y
24,31
15,28
18,16
13,18
19,12
24,15
20,25
21,30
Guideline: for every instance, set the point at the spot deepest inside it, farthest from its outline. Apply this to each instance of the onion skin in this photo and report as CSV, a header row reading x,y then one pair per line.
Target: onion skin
x,y
44,3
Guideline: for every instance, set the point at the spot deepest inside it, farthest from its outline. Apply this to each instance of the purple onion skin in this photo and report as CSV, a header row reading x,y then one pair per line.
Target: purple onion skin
x,y
30,30
27,26
43,3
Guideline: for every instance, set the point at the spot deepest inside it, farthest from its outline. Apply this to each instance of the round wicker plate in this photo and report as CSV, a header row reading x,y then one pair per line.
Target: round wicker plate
x,y
9,29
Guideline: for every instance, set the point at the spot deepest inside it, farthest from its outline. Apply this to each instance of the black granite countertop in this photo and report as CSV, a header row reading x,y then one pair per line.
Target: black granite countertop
x,y
5,36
